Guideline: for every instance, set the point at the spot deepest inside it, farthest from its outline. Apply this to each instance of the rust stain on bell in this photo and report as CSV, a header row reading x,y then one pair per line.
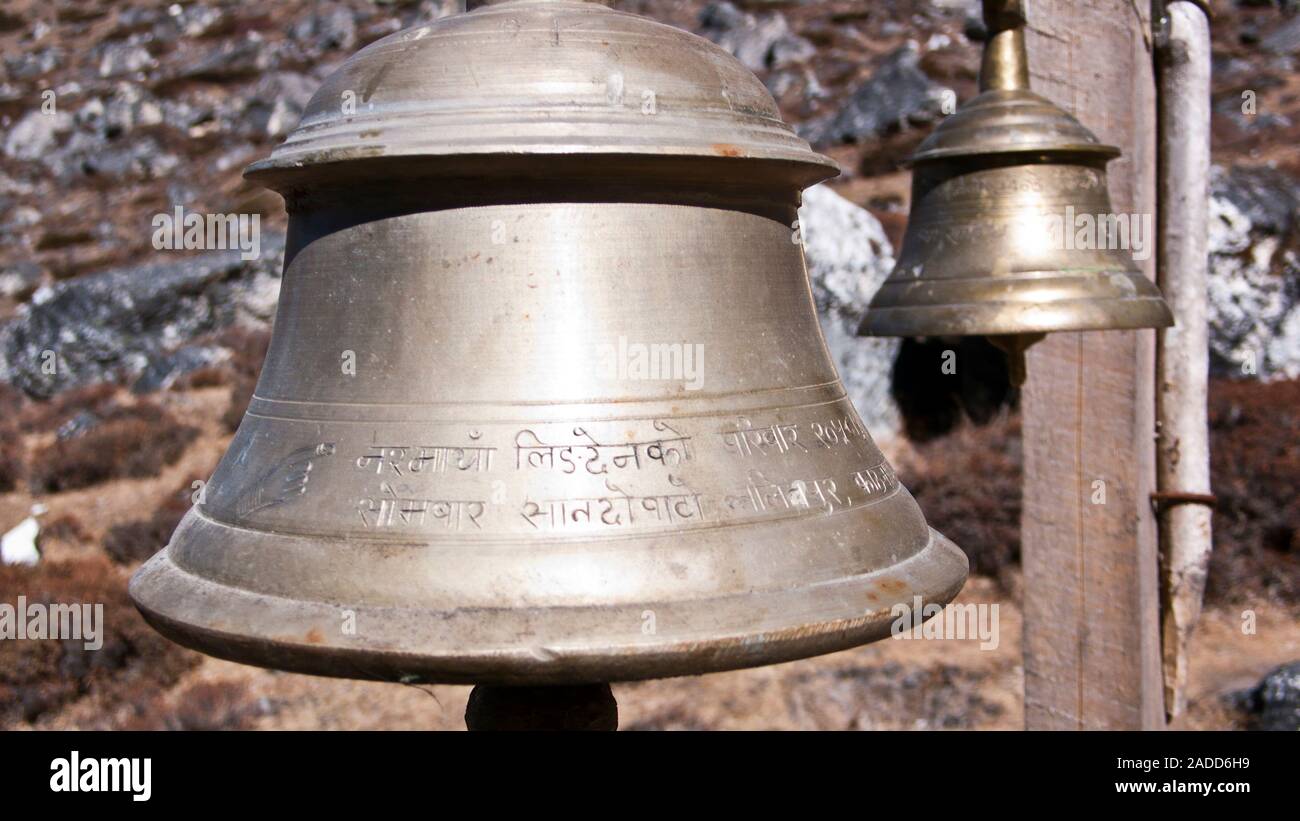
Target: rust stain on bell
x,y
426,487
991,244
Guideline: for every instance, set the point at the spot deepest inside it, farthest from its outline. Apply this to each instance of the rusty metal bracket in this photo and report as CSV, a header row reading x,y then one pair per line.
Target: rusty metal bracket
x,y
1169,498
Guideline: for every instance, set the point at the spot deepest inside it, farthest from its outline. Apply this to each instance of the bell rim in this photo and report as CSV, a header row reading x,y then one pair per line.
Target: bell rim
x,y
797,172
1049,152
1004,318
939,572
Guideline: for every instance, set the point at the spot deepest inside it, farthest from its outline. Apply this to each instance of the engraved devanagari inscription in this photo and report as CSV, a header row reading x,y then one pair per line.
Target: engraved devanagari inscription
x,y
615,508
669,448
601,476
746,440
402,460
398,507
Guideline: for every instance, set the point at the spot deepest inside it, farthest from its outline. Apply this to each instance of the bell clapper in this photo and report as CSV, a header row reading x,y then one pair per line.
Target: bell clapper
x,y
1014,346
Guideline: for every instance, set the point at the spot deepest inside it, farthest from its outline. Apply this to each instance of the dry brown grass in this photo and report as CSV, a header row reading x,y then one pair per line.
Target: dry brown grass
x,y
40,676
139,539
49,416
12,467
968,484
66,528
204,705
128,442
213,376
1255,470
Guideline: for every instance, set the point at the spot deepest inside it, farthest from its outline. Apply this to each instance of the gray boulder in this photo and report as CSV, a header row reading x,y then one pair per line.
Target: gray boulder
x,y
332,27
1254,281
18,280
121,59
129,321
126,108
1285,39
163,371
1274,704
230,60
849,257
37,134
199,20
898,94
28,65
759,41
277,103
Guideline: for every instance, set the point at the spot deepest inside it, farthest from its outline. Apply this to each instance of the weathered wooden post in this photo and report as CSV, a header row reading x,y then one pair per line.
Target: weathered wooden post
x,y
1092,643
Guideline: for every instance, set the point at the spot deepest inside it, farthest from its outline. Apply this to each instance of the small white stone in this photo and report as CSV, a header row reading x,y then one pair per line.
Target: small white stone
x,y
18,546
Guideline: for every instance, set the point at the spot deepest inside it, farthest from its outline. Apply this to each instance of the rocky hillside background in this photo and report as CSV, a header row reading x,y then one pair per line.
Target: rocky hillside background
x,y
112,112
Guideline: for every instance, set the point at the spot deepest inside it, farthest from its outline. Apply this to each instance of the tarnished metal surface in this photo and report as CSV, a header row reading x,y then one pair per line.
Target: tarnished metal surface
x,y
540,77
998,241
455,467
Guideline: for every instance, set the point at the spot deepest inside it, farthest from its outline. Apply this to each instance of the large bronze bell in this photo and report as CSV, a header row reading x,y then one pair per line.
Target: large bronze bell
x,y
547,400
1011,233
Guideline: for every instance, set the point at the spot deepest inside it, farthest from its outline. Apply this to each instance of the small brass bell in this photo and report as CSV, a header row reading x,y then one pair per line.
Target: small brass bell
x,y
1011,233
546,400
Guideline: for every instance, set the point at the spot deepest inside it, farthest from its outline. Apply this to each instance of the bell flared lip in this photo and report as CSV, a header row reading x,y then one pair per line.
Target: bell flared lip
x,y
826,616
1011,318
1061,152
1022,302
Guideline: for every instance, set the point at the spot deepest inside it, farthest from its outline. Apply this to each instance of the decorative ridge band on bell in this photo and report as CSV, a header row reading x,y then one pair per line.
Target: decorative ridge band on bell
x,y
1011,231
547,400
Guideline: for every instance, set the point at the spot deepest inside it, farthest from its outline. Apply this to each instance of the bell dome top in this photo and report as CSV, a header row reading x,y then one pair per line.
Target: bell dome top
x,y
539,77
1008,117
1010,121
